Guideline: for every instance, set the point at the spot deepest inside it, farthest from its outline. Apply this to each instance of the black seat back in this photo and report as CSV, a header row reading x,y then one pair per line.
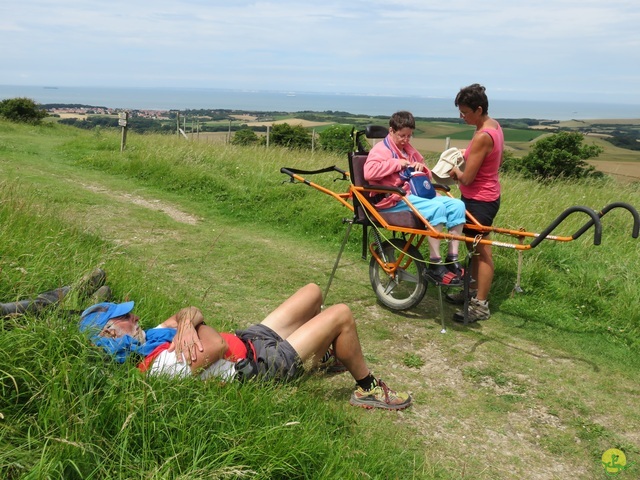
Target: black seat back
x,y
356,171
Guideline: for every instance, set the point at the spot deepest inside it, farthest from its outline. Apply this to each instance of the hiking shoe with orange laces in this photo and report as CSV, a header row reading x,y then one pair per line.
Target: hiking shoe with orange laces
x,y
380,396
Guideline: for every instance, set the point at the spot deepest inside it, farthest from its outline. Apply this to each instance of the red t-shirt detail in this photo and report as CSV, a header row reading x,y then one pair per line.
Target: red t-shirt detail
x,y
145,364
237,349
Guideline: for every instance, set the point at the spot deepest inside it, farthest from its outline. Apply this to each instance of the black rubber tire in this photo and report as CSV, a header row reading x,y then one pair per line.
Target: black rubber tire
x,y
407,287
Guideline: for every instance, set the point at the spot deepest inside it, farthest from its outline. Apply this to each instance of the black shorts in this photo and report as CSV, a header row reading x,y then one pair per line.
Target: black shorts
x,y
275,357
484,212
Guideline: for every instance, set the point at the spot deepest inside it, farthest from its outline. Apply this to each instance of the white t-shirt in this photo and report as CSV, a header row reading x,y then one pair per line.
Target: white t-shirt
x,y
166,363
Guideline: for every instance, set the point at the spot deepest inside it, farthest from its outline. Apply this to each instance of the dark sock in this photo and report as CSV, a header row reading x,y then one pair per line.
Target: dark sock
x,y
452,258
367,383
435,261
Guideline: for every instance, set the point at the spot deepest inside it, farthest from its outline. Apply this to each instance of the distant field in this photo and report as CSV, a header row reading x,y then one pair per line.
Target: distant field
x,y
623,171
290,121
72,115
432,137
583,123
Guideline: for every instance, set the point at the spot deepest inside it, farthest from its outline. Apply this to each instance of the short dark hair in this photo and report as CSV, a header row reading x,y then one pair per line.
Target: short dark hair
x,y
402,119
473,96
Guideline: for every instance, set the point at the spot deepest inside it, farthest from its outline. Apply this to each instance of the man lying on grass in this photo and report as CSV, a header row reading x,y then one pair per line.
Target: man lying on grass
x,y
295,336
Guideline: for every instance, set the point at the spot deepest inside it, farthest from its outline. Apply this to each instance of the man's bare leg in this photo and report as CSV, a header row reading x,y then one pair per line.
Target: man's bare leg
x,y
335,325
295,311
311,331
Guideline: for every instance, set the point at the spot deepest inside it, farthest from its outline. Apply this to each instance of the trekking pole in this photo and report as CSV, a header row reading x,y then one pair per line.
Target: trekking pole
x,y
517,288
335,265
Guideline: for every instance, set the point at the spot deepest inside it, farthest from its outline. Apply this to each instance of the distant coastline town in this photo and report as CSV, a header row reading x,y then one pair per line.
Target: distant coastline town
x,y
90,110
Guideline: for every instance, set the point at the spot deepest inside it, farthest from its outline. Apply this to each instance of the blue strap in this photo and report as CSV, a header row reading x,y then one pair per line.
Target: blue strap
x,y
386,144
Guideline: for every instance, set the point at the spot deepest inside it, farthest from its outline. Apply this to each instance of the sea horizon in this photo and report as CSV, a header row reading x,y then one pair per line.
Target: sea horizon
x,y
183,98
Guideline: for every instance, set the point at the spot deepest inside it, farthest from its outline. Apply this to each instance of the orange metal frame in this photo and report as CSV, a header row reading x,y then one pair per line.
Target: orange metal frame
x,y
361,195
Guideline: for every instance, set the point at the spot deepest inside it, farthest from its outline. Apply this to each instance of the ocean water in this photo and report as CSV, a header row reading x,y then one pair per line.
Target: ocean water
x,y
263,101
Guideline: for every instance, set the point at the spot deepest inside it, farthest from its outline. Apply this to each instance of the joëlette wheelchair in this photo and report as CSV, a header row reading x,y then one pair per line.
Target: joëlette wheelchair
x,y
397,268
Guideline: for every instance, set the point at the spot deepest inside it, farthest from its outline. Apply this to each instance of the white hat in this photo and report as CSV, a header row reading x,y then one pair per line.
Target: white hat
x,y
448,159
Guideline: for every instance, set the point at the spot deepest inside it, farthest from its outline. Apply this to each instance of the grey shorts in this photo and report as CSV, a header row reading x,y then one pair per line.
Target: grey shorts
x,y
275,357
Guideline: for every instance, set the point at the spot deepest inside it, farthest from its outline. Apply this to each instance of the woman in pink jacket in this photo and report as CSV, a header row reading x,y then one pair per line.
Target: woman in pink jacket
x,y
385,162
480,190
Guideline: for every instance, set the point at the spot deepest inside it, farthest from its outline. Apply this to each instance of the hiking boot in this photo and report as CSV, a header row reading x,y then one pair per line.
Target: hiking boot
x,y
440,275
458,297
380,396
36,305
478,310
330,364
89,282
103,294
51,297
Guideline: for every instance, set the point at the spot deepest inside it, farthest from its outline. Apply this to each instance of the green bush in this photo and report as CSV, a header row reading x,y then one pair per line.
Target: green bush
x,y
561,155
284,135
244,137
337,138
22,110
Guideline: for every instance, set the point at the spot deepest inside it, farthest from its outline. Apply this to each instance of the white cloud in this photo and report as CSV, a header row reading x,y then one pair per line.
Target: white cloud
x,y
545,48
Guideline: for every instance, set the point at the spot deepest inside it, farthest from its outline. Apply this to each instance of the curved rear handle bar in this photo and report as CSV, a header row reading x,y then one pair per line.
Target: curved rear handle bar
x,y
608,208
595,220
294,171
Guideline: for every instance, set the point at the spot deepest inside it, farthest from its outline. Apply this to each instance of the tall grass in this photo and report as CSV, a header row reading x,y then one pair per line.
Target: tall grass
x,y
238,182
40,251
66,412
575,286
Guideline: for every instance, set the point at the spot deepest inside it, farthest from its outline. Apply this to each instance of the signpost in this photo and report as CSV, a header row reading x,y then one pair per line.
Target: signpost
x,y
123,118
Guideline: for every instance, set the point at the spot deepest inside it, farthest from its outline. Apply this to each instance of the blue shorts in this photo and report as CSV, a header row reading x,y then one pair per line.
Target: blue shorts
x,y
439,210
275,357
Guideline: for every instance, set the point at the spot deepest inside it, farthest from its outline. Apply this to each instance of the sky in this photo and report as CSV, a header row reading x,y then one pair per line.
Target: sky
x,y
518,49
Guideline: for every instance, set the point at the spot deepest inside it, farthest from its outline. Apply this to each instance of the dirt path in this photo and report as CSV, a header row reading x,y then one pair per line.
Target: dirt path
x,y
489,404
156,205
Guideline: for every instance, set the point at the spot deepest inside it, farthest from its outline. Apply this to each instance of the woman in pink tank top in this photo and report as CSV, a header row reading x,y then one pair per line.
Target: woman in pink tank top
x,y
480,188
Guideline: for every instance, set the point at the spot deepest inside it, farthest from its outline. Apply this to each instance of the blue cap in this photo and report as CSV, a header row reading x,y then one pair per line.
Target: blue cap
x,y
97,316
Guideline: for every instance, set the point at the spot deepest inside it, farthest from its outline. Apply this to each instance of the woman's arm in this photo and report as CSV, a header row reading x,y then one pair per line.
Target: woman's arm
x,y
480,148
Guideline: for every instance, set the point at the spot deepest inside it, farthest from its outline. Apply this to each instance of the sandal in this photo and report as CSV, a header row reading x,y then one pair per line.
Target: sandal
x,y
454,267
440,275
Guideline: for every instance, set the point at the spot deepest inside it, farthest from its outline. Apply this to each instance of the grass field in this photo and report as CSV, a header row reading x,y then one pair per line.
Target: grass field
x,y
540,391
431,137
